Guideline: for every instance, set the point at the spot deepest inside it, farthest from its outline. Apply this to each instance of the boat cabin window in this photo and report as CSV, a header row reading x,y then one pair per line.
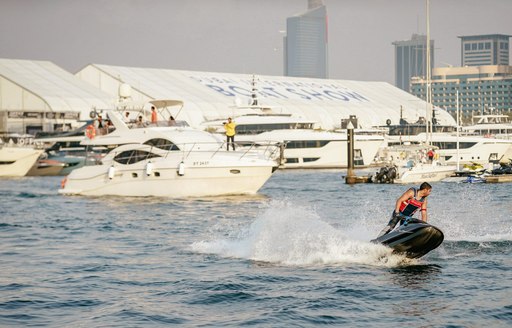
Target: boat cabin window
x,y
162,144
306,143
260,128
133,156
453,145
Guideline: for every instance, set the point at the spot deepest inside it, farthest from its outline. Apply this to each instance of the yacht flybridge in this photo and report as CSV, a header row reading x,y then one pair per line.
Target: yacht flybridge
x,y
170,161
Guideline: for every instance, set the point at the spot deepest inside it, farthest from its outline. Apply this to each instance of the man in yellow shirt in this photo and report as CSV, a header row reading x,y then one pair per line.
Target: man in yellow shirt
x,y
230,133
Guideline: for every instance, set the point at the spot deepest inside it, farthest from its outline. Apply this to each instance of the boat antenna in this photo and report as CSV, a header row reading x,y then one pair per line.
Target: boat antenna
x,y
254,92
429,87
458,127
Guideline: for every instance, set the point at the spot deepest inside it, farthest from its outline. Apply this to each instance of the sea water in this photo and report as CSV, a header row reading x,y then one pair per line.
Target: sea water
x,y
297,254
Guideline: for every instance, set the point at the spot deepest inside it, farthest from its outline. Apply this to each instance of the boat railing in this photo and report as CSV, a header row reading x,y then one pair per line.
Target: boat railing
x,y
133,124
144,152
268,149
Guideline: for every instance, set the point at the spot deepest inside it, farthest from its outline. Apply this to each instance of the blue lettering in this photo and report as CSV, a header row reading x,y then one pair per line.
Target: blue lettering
x,y
240,91
336,95
298,93
316,94
355,95
271,92
219,89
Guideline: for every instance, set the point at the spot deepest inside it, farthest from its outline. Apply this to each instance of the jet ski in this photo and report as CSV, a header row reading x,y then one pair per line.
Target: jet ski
x,y
414,238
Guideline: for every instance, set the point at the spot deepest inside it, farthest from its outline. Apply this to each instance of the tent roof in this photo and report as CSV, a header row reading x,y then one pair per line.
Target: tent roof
x,y
323,100
58,88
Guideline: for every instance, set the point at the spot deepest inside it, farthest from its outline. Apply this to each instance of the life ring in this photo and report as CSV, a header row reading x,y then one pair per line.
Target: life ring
x,y
90,131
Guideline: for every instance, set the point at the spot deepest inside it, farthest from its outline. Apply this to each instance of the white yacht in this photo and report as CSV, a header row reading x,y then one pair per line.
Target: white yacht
x,y
305,145
169,161
471,149
16,159
490,126
423,172
412,165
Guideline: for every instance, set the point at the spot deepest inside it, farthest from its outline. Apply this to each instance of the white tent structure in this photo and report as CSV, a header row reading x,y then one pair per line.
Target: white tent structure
x,y
210,95
40,96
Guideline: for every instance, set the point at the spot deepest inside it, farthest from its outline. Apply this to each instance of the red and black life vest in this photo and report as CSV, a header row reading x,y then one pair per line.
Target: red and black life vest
x,y
411,205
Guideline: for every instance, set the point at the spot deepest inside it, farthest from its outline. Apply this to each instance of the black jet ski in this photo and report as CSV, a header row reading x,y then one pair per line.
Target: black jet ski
x,y
414,238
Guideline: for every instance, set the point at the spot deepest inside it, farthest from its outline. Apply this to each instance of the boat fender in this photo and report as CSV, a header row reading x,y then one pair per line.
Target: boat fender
x,y
149,168
63,182
111,172
181,169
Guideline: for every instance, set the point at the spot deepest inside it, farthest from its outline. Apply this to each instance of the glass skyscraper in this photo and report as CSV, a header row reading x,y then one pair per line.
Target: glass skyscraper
x,y
305,43
410,60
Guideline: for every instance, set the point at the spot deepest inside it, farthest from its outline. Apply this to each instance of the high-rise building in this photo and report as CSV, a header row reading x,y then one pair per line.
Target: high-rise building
x,y
480,50
410,59
483,82
305,43
479,88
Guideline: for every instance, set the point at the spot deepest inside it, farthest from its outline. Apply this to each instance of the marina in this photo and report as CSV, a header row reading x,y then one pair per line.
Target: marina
x,y
295,254
260,172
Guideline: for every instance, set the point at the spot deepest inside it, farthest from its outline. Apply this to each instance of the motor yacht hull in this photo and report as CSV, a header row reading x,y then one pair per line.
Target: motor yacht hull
x,y
46,167
424,173
164,180
17,161
320,149
472,149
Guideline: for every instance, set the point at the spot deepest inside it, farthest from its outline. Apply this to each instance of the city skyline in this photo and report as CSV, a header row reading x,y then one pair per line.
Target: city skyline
x,y
236,36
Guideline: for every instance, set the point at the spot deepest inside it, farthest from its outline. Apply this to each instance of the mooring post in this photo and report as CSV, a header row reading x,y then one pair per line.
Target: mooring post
x,y
350,178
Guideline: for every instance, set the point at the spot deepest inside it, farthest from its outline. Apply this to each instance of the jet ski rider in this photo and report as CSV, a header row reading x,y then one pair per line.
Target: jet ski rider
x,y
411,201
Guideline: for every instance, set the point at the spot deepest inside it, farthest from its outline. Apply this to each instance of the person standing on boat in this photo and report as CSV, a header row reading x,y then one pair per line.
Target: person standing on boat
x,y
430,155
230,126
406,205
100,125
154,116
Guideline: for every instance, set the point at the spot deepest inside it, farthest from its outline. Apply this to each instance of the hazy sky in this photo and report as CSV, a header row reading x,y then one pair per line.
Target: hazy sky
x,y
236,36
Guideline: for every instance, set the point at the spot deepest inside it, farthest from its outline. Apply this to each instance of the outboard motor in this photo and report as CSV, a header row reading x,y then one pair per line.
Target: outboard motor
x,y
386,174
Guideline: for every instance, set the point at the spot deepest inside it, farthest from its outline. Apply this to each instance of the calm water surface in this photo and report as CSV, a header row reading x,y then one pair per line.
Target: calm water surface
x,y
296,254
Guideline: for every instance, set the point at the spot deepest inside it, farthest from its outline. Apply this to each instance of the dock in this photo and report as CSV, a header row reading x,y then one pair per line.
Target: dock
x,y
498,178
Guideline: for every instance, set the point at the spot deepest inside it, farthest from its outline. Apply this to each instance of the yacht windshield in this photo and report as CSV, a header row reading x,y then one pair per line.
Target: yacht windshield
x,y
162,144
133,156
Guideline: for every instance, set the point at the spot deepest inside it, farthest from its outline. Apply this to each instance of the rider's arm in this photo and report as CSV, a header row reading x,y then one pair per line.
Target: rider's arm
x,y
424,211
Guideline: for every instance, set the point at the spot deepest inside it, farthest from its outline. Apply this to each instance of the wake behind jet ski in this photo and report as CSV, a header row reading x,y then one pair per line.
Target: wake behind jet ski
x,y
414,238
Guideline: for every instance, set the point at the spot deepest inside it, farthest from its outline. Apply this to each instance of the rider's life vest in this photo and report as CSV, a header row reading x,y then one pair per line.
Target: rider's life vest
x,y
411,205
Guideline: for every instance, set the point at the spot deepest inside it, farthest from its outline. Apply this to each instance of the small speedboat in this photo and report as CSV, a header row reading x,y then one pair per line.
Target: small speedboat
x,y
414,238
